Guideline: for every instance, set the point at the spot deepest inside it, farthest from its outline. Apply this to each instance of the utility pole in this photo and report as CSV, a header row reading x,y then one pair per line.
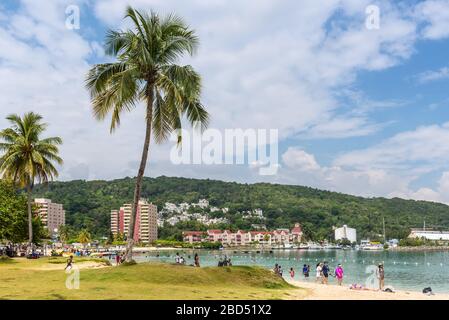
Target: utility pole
x,y
383,223
424,225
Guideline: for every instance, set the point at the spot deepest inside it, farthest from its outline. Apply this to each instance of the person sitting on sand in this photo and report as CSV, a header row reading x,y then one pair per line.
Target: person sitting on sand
x,y
69,263
339,274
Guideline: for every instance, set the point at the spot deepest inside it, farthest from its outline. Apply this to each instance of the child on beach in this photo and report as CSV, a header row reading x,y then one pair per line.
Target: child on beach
x,y
319,274
339,274
292,273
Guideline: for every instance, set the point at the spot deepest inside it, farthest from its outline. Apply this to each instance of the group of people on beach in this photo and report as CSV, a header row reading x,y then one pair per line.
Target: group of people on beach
x,y
226,262
323,271
181,260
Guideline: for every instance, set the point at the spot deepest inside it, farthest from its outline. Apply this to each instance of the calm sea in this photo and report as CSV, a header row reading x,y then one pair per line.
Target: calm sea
x,y
403,270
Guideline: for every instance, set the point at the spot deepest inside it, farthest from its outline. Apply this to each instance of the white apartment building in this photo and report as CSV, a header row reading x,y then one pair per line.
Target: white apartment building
x,y
51,214
346,233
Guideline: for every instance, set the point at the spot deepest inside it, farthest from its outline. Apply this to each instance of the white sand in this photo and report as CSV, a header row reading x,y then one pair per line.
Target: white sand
x,y
317,291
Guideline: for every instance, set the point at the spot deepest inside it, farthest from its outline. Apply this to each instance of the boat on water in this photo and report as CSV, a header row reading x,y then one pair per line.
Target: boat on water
x,y
314,246
367,245
283,246
372,247
332,247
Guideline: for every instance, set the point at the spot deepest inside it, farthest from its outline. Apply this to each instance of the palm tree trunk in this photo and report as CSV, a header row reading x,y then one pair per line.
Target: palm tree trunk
x,y
138,187
30,218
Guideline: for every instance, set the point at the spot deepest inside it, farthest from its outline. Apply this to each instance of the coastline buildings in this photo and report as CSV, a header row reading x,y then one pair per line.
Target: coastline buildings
x,y
241,238
429,234
51,214
346,233
145,228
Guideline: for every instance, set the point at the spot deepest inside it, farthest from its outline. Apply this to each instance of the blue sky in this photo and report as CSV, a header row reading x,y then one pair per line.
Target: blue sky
x,y
358,111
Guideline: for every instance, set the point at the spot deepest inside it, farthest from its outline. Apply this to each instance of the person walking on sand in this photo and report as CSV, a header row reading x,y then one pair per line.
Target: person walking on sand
x,y
380,273
197,260
319,269
339,274
325,271
292,273
69,263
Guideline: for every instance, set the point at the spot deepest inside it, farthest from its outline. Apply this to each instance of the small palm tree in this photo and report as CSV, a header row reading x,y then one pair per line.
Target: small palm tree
x,y
27,158
146,71
84,237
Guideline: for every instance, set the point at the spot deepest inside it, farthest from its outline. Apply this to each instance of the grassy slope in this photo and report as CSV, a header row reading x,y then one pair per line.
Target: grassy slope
x,y
26,279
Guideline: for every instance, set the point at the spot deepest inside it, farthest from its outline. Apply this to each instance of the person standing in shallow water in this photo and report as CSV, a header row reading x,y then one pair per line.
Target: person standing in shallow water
x,y
318,272
380,273
197,260
339,274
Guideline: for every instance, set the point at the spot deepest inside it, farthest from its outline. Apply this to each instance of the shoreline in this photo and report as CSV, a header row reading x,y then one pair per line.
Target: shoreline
x,y
317,291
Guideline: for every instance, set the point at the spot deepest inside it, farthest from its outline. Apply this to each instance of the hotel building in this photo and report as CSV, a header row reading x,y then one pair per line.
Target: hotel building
x,y
346,233
145,227
241,238
51,214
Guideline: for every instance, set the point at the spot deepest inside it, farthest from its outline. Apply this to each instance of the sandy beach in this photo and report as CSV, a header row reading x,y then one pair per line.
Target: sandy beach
x,y
79,265
333,292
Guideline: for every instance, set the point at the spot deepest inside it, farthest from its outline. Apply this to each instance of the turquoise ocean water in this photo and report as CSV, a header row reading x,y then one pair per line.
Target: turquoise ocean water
x,y
403,270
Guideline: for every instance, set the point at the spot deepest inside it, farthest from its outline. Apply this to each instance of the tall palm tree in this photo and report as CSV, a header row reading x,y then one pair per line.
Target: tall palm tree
x,y
145,70
27,158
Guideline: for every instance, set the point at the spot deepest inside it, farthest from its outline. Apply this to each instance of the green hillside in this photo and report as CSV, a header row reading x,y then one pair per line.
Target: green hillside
x,y
88,204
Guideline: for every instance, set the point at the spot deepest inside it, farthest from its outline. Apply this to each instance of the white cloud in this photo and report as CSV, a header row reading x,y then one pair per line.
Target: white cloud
x,y
420,150
265,64
433,75
302,168
435,16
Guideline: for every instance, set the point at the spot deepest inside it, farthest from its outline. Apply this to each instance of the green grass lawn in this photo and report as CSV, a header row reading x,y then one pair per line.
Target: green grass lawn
x,y
45,279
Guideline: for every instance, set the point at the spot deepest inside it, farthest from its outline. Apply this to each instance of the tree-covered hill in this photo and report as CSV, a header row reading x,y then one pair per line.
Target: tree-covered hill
x,y
88,205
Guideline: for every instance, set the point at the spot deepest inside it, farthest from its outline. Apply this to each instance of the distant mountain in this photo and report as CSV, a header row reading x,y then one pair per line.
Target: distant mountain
x,y
88,205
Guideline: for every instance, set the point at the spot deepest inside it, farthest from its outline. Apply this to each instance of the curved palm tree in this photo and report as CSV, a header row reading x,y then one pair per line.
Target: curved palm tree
x,y
145,70
27,158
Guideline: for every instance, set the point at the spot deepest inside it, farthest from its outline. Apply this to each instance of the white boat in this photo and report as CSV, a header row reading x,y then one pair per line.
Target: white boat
x,y
315,246
372,247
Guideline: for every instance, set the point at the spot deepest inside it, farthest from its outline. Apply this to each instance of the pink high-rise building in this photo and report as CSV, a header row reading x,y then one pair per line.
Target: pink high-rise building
x,y
145,228
51,214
